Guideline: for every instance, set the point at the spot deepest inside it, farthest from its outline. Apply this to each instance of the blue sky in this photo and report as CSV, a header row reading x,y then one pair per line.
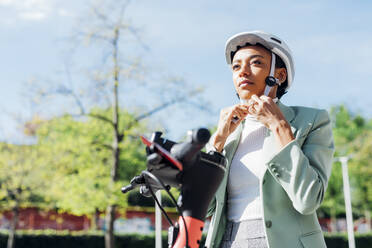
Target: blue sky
x,y
331,42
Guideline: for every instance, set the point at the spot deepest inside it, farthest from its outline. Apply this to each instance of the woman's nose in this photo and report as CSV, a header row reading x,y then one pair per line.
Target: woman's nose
x,y
245,70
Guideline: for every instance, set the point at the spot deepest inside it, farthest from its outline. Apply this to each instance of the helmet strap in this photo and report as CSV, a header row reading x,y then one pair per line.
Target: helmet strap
x,y
272,67
271,76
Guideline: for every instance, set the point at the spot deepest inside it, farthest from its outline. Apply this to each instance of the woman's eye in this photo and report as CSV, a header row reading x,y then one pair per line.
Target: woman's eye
x,y
235,67
256,62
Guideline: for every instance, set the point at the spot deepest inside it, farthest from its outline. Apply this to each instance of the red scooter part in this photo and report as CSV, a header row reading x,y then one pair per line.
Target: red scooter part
x,y
195,230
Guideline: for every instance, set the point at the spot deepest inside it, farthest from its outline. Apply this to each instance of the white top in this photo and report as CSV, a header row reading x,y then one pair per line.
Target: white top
x,y
246,171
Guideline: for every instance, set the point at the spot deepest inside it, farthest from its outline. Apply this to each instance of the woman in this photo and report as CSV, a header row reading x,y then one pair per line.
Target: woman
x,y
279,157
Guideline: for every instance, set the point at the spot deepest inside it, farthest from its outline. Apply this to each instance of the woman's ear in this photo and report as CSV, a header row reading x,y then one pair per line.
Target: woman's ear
x,y
281,74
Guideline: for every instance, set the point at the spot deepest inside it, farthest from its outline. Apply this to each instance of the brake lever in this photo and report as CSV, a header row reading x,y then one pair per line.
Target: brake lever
x,y
134,183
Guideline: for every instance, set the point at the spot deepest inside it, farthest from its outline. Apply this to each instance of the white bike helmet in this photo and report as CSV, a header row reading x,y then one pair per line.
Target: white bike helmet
x,y
271,42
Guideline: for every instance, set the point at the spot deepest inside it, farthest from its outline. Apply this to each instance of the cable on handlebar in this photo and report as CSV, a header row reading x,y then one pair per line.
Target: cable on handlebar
x,y
158,203
149,174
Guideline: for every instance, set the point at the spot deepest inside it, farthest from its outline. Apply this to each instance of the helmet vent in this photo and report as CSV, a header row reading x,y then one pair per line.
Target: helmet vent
x,y
274,39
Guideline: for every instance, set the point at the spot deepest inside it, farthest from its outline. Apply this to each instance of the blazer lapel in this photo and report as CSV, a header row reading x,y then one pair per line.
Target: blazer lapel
x,y
232,143
287,112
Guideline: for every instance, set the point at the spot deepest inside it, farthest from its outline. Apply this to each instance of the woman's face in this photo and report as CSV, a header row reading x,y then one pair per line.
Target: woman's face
x,y
250,67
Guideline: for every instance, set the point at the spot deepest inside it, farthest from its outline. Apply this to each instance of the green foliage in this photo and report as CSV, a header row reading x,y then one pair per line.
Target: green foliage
x,y
361,171
352,136
333,203
78,154
22,176
346,128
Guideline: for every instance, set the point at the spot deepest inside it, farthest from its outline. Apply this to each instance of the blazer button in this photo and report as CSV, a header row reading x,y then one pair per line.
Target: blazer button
x,y
268,223
277,174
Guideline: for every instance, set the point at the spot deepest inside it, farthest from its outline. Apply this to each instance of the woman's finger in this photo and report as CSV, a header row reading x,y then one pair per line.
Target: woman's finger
x,y
267,99
236,112
252,108
256,99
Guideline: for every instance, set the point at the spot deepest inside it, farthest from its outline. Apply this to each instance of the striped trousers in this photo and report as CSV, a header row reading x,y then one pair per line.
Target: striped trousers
x,y
244,234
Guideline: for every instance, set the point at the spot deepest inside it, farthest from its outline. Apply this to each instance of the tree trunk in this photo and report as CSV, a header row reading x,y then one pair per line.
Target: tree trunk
x,y
109,234
94,221
110,211
13,226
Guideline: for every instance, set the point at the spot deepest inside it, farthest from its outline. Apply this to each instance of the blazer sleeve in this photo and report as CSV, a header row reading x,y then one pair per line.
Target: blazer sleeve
x,y
212,204
304,171
211,207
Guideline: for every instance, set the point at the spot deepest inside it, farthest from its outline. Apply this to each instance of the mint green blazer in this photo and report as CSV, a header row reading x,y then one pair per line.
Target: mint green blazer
x,y
293,185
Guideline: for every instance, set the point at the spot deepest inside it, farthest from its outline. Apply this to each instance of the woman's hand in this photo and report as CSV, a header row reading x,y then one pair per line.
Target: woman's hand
x,y
230,119
269,114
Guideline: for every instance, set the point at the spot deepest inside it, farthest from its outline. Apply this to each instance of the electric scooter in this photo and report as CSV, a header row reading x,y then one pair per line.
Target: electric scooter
x,y
182,165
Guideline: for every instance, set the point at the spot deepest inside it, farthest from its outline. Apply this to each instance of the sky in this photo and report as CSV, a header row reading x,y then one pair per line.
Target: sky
x,y
330,40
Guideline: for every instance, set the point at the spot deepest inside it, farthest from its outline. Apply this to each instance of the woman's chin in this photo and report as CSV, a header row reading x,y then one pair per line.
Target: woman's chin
x,y
245,95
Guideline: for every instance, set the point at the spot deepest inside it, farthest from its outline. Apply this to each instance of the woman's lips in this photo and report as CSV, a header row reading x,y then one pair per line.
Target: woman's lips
x,y
245,83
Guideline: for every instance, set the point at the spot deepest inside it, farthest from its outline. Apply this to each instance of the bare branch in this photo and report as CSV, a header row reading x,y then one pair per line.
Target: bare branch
x,y
134,32
107,146
157,109
122,11
74,96
161,107
201,106
101,16
102,118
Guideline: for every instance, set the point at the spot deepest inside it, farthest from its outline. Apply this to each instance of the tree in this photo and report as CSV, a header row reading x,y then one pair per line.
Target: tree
x,y
22,180
350,132
109,32
361,173
333,203
76,151
346,128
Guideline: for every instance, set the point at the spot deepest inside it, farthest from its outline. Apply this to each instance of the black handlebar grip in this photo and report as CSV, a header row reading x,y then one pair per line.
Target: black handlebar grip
x,y
127,188
201,136
186,152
